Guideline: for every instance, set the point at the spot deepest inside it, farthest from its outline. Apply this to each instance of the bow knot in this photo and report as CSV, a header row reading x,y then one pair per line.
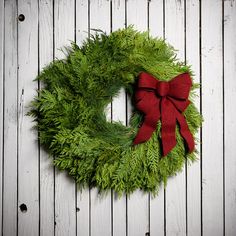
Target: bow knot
x,y
165,101
162,88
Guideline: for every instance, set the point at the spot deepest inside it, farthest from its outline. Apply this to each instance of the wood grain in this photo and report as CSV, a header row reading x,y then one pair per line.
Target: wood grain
x,y
10,203
212,109
47,174
65,189
193,186
157,204
119,205
176,186
138,203
229,115
101,209
82,196
28,151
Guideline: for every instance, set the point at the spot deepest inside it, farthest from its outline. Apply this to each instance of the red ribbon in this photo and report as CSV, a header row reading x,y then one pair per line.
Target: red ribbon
x,y
165,101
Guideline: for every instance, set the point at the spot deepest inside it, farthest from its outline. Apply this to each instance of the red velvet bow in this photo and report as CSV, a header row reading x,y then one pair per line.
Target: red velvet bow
x,y
165,101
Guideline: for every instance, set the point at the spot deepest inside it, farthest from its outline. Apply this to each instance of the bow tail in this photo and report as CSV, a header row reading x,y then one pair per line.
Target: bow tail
x,y
185,132
148,127
168,123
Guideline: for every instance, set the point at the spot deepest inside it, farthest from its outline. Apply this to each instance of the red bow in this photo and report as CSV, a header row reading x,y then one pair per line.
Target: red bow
x,y
165,101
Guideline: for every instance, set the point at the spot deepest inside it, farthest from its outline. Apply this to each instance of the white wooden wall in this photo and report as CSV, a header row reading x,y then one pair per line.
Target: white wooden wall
x,y
199,201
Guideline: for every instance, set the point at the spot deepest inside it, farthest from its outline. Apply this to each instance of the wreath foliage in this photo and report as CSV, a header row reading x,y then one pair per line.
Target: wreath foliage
x,y
72,124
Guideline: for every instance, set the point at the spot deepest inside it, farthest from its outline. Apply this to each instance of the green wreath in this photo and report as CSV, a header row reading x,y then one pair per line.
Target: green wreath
x,y
72,124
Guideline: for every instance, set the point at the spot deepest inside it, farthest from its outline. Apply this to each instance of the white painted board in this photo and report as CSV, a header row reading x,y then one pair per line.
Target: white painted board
x,y
101,223
119,205
193,175
157,204
138,203
176,186
212,109
229,115
82,196
46,169
28,151
65,188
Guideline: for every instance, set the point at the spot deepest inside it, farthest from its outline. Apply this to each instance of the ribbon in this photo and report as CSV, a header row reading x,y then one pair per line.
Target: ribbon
x,y
165,101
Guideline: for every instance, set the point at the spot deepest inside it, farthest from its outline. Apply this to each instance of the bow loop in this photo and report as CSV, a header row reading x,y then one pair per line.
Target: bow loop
x,y
147,81
180,86
165,101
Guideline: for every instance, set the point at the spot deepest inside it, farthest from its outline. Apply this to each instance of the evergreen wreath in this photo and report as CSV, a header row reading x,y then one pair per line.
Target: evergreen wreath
x,y
72,124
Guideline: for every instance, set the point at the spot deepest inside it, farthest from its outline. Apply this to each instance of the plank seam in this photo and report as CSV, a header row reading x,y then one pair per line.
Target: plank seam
x,y
126,109
76,192
90,227
200,78
54,169
17,86
186,166
3,110
39,150
164,35
223,97
149,201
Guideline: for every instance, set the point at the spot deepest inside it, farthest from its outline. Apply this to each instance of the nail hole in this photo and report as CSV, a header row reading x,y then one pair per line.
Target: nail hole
x,y
23,207
77,209
21,17
147,234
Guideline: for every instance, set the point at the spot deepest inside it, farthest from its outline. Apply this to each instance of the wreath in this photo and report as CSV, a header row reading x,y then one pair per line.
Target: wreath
x,y
71,120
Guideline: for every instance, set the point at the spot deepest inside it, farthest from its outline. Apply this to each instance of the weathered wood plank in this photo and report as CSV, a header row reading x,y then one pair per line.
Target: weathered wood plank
x,y
212,109
45,164
193,171
10,121
230,114
83,212
100,205
83,196
119,209
65,189
1,104
82,21
138,203
157,204
176,189
28,152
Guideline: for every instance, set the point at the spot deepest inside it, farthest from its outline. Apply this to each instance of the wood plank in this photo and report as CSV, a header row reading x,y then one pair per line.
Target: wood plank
x,y
230,114
138,203
156,18
100,205
45,162
82,21
28,152
176,189
193,171
1,104
83,212
119,209
138,213
157,211
83,196
65,190
10,121
212,109
100,213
